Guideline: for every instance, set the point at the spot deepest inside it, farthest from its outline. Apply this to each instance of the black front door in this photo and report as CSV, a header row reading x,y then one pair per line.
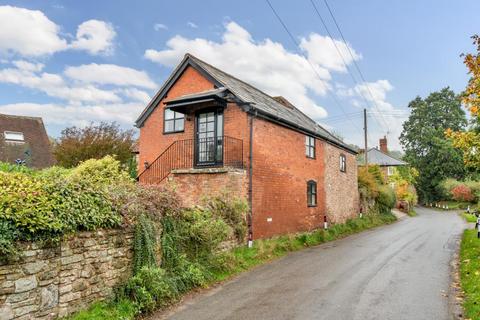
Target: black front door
x,y
209,138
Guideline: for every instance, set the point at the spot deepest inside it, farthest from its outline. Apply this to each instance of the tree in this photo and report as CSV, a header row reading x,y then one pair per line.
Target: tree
x,y
469,141
425,145
94,141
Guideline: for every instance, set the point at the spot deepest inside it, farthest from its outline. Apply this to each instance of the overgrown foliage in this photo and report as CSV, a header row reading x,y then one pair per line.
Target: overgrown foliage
x,y
463,191
426,148
375,194
45,204
95,141
190,240
144,244
469,141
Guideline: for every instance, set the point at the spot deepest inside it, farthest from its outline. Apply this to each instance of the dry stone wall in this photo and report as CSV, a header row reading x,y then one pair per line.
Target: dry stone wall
x,y
47,283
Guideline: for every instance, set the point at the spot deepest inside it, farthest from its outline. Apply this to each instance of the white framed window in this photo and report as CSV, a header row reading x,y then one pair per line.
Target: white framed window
x,y
310,147
13,136
390,171
343,163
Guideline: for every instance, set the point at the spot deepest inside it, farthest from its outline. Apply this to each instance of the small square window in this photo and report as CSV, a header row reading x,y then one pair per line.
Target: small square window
x,y
343,163
173,121
310,147
12,136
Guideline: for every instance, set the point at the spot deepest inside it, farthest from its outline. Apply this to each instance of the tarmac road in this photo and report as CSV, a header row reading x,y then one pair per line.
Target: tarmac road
x,y
400,271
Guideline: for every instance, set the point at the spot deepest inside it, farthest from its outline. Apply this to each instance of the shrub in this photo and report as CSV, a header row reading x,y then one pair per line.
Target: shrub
x,y
367,183
150,288
386,199
49,203
144,244
406,192
233,211
446,186
377,174
462,193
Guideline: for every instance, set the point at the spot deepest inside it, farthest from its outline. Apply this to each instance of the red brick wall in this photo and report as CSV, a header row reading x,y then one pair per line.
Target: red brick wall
x,y
280,168
152,141
280,174
194,187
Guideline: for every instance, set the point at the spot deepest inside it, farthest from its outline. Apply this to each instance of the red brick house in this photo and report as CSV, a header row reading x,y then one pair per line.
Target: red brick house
x,y
24,140
206,131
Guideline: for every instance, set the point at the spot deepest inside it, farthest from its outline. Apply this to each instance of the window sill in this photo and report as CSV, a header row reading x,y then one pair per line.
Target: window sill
x,y
173,132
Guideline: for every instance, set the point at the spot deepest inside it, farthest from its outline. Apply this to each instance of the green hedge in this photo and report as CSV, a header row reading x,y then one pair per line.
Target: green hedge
x,y
46,204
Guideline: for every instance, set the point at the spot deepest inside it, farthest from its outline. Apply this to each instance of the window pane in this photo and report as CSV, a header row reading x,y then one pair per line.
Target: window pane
x,y
220,125
169,126
179,124
169,114
15,136
179,115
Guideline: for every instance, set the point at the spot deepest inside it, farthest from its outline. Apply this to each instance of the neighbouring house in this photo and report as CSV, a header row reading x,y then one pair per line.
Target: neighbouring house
x,y
383,159
207,132
24,140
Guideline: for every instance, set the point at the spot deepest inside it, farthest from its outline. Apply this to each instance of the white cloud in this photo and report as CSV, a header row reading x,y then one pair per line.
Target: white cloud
x,y
28,66
159,26
54,85
323,51
79,115
265,64
28,32
95,36
31,33
387,118
137,95
192,25
110,74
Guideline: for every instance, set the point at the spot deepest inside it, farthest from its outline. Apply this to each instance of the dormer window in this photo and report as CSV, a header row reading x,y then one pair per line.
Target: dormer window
x,y
13,136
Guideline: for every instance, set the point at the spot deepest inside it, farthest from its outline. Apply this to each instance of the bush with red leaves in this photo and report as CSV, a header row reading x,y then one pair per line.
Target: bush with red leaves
x,y
462,193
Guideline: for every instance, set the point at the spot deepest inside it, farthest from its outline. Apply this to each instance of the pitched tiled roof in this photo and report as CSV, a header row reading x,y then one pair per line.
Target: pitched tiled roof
x,y
376,156
255,98
35,148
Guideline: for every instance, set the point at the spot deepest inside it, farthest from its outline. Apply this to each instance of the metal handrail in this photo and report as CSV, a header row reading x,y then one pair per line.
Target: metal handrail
x,y
222,151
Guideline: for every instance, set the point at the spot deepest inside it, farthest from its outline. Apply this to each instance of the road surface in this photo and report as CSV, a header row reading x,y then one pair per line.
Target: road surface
x,y
400,271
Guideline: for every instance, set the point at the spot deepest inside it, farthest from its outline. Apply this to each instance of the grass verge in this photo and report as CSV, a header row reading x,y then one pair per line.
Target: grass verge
x,y
469,217
412,213
242,258
470,273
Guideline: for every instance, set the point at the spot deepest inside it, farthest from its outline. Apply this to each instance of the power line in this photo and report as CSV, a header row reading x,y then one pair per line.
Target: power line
x,y
344,62
353,59
306,58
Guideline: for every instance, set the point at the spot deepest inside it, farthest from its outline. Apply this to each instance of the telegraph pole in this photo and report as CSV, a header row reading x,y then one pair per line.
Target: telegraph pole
x,y
365,134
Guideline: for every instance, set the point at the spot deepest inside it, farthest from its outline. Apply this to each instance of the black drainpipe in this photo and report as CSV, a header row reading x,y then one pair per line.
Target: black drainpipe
x,y
250,179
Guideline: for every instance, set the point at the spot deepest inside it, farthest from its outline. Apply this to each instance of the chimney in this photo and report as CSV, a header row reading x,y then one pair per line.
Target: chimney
x,y
383,145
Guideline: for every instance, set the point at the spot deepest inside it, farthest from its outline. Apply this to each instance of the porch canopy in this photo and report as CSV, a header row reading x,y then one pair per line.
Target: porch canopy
x,y
185,104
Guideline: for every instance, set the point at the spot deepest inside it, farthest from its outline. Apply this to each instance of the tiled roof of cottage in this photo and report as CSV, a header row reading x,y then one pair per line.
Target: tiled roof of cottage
x,y
252,96
25,138
376,156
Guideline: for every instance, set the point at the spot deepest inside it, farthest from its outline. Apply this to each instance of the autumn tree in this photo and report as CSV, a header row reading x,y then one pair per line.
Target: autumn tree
x,y
423,140
469,141
94,141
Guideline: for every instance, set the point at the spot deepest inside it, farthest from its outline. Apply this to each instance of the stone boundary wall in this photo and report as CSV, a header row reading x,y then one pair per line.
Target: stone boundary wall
x,y
47,283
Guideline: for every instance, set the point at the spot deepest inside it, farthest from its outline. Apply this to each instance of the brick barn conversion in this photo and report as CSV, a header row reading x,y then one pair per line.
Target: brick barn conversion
x,y
206,132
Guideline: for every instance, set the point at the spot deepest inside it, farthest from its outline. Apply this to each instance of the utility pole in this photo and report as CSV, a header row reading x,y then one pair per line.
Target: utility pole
x,y
365,133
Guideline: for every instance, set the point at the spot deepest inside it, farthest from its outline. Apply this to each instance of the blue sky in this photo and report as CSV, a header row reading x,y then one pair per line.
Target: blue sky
x,y
73,62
